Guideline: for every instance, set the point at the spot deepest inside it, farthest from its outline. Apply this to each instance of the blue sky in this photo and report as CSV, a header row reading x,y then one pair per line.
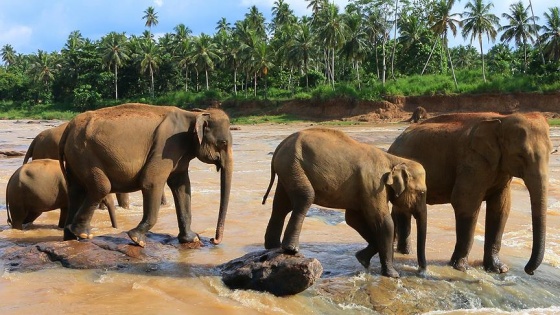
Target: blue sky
x,y
29,25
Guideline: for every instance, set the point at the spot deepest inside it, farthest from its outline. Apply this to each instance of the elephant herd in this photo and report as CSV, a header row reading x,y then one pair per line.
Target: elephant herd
x,y
462,159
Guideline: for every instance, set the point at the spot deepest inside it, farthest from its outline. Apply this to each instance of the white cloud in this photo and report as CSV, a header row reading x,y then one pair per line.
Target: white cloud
x,y
16,35
158,3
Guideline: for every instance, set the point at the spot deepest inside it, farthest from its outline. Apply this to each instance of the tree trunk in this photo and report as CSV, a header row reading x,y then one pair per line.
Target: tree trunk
x,y
116,76
482,56
429,57
395,37
206,74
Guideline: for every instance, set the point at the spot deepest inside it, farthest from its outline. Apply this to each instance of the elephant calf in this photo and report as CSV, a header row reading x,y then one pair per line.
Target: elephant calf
x,y
328,168
37,187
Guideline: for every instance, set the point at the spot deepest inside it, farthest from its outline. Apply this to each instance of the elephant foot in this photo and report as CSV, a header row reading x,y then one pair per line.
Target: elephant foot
x,y
404,248
389,272
496,266
290,249
189,237
68,235
79,232
364,256
272,244
137,237
460,264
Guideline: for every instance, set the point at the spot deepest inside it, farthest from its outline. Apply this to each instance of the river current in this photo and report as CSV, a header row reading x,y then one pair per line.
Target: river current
x,y
189,282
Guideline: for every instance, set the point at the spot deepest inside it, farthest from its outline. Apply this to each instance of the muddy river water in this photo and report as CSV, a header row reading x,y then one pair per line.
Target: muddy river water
x,y
190,282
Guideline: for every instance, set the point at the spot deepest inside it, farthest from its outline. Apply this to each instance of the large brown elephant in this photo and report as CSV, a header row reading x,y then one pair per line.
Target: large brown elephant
x,y
37,187
45,146
472,157
134,147
328,168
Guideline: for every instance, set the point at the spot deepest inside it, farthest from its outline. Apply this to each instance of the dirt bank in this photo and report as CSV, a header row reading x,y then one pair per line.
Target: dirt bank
x,y
400,108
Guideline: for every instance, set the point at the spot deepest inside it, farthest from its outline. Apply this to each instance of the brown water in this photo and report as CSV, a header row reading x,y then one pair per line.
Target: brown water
x,y
189,282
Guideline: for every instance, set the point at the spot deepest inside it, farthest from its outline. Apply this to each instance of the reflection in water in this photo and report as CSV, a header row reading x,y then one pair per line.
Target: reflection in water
x,y
188,281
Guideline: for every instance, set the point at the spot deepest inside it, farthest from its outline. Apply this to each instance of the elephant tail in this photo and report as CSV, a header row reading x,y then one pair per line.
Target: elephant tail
x,y
29,152
272,177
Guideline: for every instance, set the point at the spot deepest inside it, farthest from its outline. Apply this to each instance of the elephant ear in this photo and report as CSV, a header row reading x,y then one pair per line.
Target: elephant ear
x,y
201,122
398,179
484,140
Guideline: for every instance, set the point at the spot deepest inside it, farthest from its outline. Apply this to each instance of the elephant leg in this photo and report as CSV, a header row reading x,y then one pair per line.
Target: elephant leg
x,y
382,225
109,203
357,221
466,215
80,226
123,200
151,195
402,222
163,199
497,213
31,217
302,196
281,206
18,215
181,189
62,218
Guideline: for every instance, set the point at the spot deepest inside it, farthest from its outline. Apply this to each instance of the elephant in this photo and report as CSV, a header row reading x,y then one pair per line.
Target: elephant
x,y
418,114
470,158
45,146
135,146
327,167
37,187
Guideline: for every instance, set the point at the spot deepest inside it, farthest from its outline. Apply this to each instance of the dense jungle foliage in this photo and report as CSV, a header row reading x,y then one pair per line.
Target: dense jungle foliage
x,y
368,50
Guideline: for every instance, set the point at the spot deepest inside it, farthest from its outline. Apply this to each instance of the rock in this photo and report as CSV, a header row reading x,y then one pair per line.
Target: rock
x,y
271,271
112,251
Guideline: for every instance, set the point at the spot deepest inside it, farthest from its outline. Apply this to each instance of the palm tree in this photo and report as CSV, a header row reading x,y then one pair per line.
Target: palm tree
x,y
256,21
520,27
44,67
185,59
114,51
150,58
182,33
204,54
151,18
551,34
442,21
480,21
316,5
223,26
302,47
354,48
332,31
281,15
8,55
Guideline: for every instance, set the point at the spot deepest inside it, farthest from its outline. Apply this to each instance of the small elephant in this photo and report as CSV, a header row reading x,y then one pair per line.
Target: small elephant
x,y
134,147
470,158
418,114
37,187
327,167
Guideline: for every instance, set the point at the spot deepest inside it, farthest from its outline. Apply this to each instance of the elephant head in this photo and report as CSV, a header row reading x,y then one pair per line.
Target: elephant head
x,y
519,145
408,182
212,129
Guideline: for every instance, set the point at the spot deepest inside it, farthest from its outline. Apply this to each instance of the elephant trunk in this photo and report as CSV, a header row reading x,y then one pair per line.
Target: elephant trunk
x,y
226,171
421,230
538,187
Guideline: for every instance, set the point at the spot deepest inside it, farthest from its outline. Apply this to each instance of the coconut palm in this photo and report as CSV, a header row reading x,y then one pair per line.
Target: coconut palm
x,y
204,54
114,52
301,48
151,18
281,15
44,67
8,55
331,30
184,56
182,33
149,57
443,21
316,5
520,27
355,45
551,34
223,26
479,21
256,21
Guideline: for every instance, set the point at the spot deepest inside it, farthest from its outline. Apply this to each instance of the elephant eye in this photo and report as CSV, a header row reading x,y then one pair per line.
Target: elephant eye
x,y
222,142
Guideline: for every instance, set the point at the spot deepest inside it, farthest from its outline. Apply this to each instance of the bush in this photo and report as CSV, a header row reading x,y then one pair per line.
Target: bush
x,y
85,98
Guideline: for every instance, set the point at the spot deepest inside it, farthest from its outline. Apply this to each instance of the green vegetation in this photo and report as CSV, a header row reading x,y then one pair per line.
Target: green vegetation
x,y
368,50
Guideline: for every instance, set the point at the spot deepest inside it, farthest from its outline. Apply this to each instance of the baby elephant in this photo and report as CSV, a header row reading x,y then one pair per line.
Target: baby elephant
x,y
326,167
38,187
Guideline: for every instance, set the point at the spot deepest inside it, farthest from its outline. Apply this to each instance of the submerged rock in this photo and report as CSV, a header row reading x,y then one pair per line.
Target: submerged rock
x,y
272,271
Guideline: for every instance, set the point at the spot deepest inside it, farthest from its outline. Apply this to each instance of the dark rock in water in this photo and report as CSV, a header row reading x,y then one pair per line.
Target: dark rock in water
x,y
272,271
